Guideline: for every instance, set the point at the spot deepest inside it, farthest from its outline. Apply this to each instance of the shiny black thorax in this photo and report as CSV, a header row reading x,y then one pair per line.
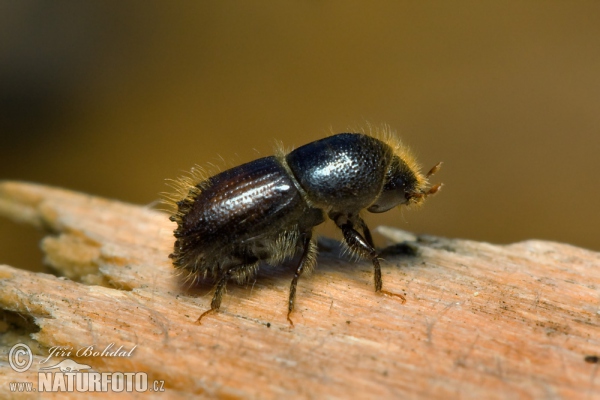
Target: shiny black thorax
x,y
341,173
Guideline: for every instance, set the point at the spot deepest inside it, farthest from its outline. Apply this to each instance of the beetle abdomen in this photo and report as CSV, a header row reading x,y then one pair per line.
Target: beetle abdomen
x,y
235,215
237,200
341,172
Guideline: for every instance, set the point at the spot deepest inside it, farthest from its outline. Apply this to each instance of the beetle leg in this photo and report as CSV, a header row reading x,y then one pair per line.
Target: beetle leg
x,y
215,304
366,232
365,249
308,258
359,244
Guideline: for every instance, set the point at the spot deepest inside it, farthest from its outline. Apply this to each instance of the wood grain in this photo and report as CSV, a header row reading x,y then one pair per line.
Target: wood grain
x,y
480,320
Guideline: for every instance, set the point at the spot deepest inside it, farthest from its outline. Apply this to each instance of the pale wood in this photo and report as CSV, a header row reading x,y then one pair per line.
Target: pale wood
x,y
480,320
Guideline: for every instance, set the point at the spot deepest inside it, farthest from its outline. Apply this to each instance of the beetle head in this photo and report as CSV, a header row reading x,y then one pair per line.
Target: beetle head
x,y
403,185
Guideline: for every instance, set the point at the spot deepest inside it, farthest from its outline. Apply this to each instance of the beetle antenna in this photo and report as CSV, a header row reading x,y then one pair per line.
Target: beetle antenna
x,y
433,190
434,169
418,196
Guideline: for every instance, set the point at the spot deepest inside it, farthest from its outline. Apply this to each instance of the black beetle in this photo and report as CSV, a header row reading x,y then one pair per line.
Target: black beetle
x,y
265,210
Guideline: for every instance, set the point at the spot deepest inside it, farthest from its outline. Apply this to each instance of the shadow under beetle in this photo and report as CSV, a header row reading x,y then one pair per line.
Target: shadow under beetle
x,y
265,210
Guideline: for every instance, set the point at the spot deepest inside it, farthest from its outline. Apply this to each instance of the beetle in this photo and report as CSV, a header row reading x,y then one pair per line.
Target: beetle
x,y
265,210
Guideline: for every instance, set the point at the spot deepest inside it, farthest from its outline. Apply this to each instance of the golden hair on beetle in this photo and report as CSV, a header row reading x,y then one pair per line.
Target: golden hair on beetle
x,y
387,135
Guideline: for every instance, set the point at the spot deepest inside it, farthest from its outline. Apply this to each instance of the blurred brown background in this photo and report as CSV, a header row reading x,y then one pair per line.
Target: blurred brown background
x,y
111,98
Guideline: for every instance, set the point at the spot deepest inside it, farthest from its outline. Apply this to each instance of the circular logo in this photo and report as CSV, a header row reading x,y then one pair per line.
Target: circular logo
x,y
20,357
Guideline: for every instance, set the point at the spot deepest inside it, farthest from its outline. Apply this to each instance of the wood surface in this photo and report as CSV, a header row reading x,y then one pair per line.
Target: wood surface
x,y
480,320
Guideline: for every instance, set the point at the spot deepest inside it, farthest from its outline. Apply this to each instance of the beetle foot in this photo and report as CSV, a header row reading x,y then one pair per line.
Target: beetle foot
x,y
390,294
290,320
198,321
